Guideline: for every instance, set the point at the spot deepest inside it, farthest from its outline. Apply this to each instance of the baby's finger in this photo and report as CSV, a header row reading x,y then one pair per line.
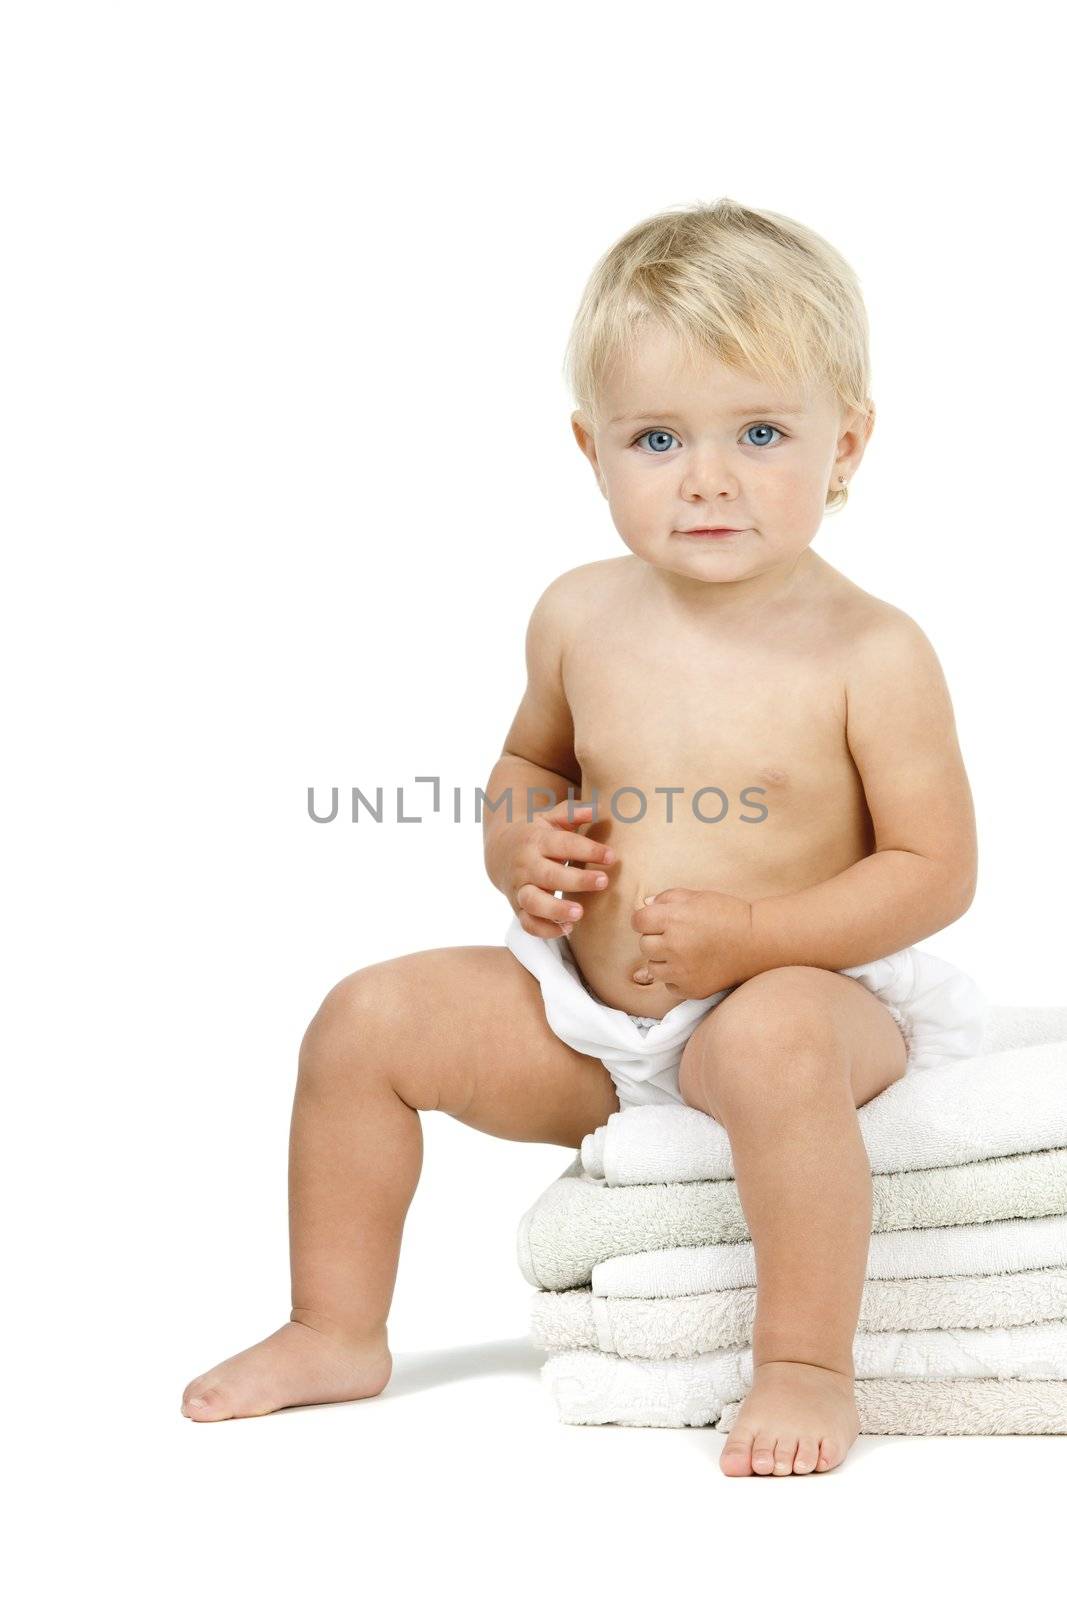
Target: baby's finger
x,y
650,971
539,927
575,817
575,880
649,919
574,847
541,904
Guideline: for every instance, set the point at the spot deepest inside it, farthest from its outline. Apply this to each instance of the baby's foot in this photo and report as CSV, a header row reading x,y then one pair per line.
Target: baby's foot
x,y
795,1418
295,1366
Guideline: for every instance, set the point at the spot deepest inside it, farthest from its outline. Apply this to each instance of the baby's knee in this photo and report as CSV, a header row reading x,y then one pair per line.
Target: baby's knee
x,y
349,1024
752,1044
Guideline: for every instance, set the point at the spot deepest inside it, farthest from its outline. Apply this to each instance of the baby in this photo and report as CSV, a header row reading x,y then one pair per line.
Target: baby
x,y
731,800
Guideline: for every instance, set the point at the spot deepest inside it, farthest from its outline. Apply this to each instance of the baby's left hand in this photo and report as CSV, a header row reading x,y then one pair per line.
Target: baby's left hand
x,y
695,941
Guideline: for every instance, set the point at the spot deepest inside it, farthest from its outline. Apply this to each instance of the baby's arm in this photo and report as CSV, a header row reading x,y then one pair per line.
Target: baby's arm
x,y
527,844
902,734
538,752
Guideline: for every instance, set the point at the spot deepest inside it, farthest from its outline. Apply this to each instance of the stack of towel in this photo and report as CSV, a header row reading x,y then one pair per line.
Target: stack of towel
x,y
647,1277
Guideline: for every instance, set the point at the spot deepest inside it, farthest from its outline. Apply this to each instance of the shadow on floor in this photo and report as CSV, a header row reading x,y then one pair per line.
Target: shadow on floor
x,y
417,1370
430,1369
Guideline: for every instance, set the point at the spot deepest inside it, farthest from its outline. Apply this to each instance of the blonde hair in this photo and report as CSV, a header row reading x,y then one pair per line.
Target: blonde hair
x,y
755,289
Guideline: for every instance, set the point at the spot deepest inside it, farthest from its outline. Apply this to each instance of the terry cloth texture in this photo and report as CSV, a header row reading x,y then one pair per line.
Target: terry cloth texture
x,y
646,1277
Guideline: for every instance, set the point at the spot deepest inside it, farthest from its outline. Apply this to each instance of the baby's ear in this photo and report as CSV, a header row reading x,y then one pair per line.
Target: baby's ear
x,y
582,429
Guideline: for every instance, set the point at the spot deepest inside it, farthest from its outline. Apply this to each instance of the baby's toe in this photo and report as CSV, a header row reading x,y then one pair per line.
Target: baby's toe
x,y
205,1403
736,1458
829,1455
806,1456
763,1453
784,1451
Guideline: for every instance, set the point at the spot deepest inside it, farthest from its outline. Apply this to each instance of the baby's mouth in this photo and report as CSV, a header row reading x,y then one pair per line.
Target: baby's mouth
x,y
711,533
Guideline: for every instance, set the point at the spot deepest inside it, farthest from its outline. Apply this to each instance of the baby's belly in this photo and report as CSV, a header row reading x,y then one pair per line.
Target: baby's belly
x,y
653,857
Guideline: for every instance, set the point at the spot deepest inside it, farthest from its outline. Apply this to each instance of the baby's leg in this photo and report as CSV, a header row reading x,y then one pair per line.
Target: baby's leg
x,y
461,1030
783,1062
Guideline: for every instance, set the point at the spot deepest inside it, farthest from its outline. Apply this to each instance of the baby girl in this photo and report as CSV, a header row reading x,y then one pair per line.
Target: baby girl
x,y
730,802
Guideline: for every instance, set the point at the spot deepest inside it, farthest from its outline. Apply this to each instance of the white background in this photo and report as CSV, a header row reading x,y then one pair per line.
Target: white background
x,y
286,464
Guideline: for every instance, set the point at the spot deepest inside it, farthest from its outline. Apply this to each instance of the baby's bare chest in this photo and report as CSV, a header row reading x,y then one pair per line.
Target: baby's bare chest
x,y
770,718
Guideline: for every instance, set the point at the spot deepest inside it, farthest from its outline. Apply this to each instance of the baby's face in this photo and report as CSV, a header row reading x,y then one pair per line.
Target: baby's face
x,y
681,447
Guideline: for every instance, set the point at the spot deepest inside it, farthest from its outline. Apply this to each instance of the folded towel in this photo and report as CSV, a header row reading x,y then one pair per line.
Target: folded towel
x,y
953,1406
963,1322
985,1247
696,1324
1008,1027
580,1221
1035,1351
1005,1103
591,1388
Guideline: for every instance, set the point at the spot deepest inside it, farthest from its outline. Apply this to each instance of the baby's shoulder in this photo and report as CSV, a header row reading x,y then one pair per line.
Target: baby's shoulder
x,y
859,616
593,574
884,648
576,591
568,604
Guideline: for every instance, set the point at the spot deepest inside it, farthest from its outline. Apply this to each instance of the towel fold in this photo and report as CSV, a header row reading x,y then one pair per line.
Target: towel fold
x,y
579,1221
979,1407
1005,1103
985,1247
697,1324
1035,1351
963,1321
592,1388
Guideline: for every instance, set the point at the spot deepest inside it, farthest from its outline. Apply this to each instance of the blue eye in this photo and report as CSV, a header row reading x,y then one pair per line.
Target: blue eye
x,y
763,427
656,433
663,434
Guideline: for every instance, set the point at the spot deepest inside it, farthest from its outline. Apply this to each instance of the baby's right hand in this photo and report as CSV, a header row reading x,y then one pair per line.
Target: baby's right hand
x,y
536,867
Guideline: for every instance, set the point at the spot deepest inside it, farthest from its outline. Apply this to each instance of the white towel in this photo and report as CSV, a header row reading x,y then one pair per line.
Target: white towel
x,y
1008,1027
953,1406
933,1139
696,1324
579,1220
985,1247
999,1104
589,1387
